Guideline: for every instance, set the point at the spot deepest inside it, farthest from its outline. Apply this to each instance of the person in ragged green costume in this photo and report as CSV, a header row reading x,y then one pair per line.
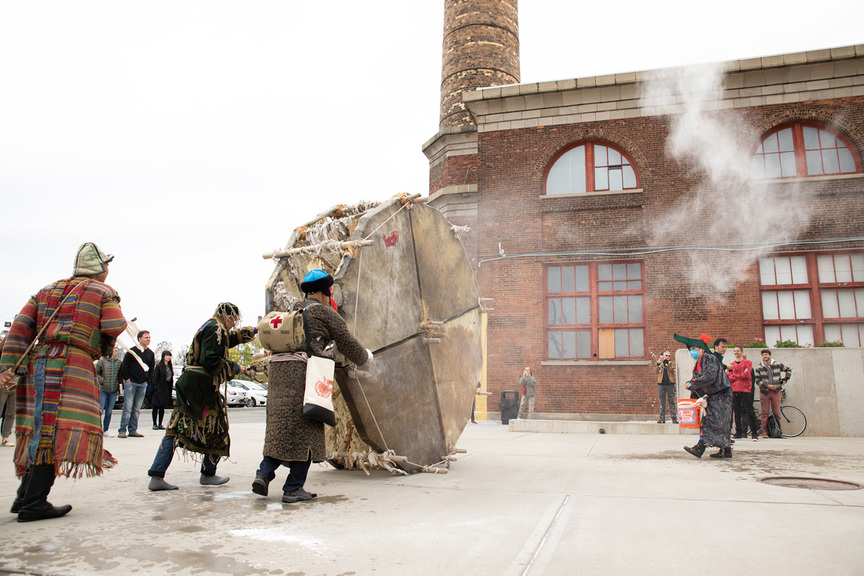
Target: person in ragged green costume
x,y
710,380
199,422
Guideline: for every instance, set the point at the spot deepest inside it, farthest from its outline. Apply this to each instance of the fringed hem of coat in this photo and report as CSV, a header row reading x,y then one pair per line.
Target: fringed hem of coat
x,y
88,458
208,435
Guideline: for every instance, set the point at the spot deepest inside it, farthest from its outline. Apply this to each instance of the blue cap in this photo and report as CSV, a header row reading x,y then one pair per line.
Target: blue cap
x,y
315,275
316,281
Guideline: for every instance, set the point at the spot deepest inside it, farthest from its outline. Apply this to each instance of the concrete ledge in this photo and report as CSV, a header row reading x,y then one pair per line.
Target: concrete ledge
x,y
588,427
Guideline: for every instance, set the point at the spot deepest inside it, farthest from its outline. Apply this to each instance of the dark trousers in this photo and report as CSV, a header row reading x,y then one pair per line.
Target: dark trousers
x,y
166,453
32,494
745,414
667,391
298,470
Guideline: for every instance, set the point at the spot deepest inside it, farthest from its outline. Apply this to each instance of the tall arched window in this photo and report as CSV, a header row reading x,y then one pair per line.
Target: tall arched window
x,y
800,150
591,167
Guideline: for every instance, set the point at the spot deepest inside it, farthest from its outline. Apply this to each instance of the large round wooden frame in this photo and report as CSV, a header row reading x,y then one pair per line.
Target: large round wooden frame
x,y
407,292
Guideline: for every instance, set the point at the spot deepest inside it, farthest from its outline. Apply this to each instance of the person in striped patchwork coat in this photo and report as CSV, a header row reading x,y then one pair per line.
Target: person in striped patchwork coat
x,y
59,428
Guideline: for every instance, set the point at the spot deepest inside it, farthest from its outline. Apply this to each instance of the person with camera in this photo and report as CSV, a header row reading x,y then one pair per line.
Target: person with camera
x,y
527,384
666,387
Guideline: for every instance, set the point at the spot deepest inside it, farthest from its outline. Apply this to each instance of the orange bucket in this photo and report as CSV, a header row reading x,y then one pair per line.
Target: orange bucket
x,y
688,413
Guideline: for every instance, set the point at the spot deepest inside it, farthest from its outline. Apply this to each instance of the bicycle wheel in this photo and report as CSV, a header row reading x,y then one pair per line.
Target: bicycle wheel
x,y
793,422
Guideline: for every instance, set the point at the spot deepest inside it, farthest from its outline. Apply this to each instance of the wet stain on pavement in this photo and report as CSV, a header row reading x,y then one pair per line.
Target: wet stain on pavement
x,y
756,461
335,499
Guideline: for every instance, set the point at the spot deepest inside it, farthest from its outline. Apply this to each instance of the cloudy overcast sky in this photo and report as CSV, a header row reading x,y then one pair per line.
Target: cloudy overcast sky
x,y
189,137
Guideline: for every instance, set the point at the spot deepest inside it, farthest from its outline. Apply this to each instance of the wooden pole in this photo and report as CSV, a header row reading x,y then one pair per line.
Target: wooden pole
x,y
332,245
138,358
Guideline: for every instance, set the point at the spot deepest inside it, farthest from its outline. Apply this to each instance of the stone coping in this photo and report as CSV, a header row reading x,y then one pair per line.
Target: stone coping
x,y
596,427
745,65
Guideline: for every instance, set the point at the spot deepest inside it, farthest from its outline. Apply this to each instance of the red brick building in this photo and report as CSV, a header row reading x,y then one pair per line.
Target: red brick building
x,y
610,212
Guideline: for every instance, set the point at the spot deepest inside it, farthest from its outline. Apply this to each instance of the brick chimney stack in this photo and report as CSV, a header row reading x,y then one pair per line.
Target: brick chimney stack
x,y
481,49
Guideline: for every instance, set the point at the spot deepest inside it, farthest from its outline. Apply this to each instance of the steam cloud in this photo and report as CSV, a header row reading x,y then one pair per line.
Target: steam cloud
x,y
725,206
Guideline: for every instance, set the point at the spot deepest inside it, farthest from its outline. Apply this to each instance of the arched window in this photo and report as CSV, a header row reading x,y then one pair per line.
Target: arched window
x,y
800,150
591,167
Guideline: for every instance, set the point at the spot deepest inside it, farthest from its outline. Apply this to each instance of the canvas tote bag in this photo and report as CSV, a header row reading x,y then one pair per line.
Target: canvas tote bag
x,y
318,398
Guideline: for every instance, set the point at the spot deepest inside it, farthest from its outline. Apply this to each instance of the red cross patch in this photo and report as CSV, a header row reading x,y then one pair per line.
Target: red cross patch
x,y
390,240
275,322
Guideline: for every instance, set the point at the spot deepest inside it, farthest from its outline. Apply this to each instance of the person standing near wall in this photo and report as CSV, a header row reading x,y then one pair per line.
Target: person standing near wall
x,y
527,387
666,387
740,373
770,377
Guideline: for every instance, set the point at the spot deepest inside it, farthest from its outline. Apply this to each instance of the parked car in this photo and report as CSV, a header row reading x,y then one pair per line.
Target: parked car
x,y
237,396
256,392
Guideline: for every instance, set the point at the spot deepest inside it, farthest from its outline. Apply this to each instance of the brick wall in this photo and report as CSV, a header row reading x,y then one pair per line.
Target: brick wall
x,y
453,171
513,212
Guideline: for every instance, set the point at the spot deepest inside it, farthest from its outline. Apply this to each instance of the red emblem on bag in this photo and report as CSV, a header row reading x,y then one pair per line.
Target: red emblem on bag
x,y
324,388
391,240
275,322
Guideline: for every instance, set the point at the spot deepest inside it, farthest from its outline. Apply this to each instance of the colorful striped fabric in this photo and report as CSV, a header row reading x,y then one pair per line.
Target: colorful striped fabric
x,y
61,374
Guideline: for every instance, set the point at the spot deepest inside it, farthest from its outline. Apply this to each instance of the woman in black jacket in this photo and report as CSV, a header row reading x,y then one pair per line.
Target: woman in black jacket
x,y
163,384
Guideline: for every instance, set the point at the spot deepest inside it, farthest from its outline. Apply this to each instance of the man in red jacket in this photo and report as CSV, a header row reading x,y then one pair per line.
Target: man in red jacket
x,y
741,378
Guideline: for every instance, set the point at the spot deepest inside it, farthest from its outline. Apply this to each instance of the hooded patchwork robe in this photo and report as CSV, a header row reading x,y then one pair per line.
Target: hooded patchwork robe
x,y
290,436
199,421
57,416
709,378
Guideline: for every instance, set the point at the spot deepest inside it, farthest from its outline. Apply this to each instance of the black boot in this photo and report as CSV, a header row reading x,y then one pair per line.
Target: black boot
x,y
35,505
723,453
19,496
696,450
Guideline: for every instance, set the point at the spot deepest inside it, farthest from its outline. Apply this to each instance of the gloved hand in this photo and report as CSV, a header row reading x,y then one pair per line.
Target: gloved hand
x,y
245,334
370,355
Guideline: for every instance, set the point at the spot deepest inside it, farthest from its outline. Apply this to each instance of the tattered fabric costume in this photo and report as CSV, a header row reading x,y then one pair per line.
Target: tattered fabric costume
x,y
710,380
58,419
199,421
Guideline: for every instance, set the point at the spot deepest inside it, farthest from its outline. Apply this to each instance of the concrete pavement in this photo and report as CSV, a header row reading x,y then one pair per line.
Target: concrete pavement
x,y
516,504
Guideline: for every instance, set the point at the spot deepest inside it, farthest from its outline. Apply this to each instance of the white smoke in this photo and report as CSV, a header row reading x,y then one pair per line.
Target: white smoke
x,y
724,205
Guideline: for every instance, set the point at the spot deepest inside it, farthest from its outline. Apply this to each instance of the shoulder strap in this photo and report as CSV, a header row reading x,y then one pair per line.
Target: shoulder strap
x,y
306,328
44,327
